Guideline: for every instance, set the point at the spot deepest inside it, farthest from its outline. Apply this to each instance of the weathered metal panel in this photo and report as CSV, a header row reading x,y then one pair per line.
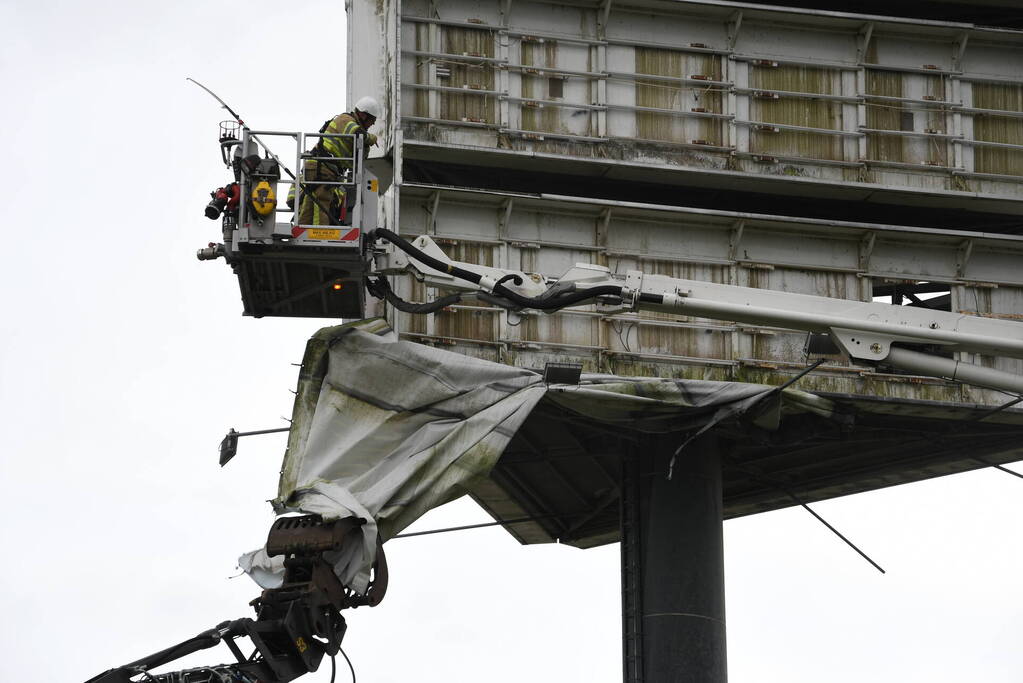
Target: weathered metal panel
x,y
461,323
569,226
790,34
899,109
662,94
547,96
688,86
789,246
798,112
841,260
1005,303
654,26
468,77
667,237
1003,125
902,49
911,260
987,263
561,328
664,334
764,347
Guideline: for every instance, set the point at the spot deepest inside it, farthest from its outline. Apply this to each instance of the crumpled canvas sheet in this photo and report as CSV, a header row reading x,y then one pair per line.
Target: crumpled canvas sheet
x,y
386,430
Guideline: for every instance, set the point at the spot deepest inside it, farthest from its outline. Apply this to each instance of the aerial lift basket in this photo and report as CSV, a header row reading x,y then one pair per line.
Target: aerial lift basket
x,y
284,267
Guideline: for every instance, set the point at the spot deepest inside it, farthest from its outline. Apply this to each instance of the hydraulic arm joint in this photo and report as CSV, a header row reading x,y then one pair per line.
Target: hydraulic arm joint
x,y
296,623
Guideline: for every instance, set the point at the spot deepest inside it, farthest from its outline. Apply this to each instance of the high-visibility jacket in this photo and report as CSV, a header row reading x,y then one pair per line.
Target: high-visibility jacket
x,y
344,124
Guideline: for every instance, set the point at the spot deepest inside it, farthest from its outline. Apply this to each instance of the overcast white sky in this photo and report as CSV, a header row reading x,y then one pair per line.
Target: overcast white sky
x,y
123,361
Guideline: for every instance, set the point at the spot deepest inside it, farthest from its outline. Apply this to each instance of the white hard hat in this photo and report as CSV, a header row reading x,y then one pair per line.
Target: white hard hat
x,y
368,105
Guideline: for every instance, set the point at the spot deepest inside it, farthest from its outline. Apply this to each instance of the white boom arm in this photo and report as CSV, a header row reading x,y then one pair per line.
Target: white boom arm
x,y
865,331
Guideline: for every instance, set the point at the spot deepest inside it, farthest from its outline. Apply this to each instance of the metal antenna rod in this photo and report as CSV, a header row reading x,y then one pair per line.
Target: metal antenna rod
x,y
836,532
997,409
983,417
779,487
807,370
262,144
997,467
475,526
237,118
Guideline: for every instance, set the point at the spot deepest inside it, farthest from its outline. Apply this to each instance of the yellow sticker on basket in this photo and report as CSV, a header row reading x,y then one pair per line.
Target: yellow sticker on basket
x,y
323,234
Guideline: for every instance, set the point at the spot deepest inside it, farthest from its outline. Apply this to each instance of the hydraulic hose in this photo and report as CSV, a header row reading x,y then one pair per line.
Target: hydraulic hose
x,y
419,255
539,303
559,301
381,289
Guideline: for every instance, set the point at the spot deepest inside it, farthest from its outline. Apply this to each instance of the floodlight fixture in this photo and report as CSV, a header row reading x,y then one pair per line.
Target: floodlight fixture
x,y
229,444
562,373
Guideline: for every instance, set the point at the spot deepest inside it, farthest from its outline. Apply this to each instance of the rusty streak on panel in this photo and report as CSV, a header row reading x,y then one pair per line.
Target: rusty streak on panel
x,y
985,301
833,285
422,104
683,341
468,252
680,341
798,111
458,106
416,323
935,120
906,117
546,119
466,324
884,147
994,128
906,84
682,270
463,323
659,94
560,328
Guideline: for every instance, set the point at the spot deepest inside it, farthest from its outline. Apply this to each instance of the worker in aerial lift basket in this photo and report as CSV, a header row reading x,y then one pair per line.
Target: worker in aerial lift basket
x,y
317,199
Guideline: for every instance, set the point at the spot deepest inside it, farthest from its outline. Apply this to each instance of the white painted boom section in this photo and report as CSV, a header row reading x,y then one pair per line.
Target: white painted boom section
x,y
822,314
866,331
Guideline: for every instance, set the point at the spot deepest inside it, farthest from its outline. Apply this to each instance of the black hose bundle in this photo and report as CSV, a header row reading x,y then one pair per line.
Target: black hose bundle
x,y
418,255
559,300
381,289
555,301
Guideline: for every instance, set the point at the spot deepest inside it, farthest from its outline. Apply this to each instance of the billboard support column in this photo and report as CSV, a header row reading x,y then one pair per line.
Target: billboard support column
x,y
673,593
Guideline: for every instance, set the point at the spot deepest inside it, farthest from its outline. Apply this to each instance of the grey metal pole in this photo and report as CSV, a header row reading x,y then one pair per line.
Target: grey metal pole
x,y
673,565
936,366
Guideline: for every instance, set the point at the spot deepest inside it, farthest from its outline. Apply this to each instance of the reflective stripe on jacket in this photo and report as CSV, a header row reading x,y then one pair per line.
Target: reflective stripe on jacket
x,y
344,124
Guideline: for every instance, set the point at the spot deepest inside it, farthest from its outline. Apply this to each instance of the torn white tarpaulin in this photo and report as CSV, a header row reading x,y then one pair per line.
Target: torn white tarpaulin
x,y
386,430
